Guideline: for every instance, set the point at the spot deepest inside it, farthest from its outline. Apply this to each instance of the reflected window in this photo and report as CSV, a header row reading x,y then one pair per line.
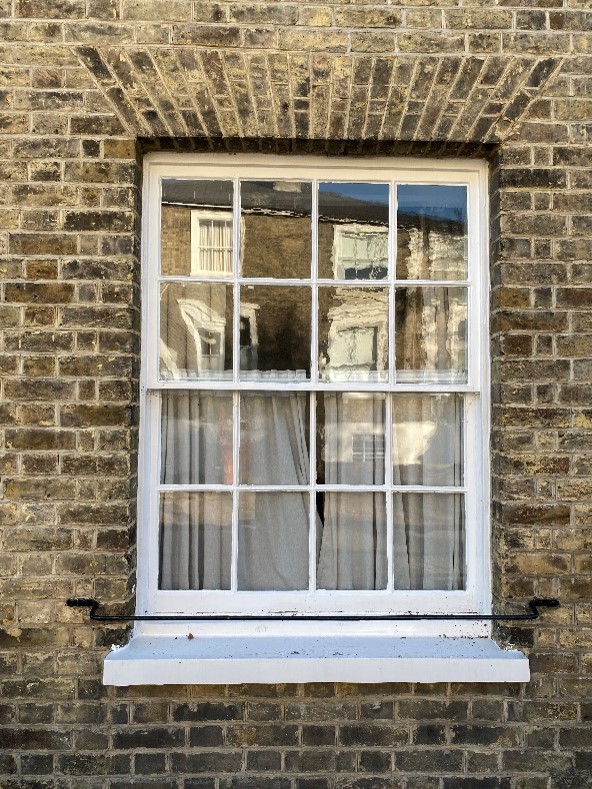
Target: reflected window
x,y
360,252
211,244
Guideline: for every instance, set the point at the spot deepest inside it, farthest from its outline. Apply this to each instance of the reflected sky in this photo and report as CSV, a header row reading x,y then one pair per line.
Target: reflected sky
x,y
369,193
435,201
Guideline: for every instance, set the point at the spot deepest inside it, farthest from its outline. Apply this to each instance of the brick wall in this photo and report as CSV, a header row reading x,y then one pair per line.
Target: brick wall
x,y
85,87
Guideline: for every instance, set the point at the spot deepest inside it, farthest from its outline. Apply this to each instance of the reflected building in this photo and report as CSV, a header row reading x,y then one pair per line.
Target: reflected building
x,y
275,320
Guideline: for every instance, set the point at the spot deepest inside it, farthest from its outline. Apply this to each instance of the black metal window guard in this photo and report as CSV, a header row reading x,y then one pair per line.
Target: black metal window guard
x,y
88,602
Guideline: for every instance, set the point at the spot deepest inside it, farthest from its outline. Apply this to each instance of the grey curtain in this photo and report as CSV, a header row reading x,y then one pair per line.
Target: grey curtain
x,y
195,530
353,546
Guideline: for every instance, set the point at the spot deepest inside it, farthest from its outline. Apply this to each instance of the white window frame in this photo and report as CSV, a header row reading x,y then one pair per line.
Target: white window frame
x,y
367,647
473,174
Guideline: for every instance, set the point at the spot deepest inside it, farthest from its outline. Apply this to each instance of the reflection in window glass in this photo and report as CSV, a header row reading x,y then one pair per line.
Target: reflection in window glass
x,y
196,225
432,232
275,332
350,438
275,229
427,442
353,334
353,230
195,331
431,334
211,244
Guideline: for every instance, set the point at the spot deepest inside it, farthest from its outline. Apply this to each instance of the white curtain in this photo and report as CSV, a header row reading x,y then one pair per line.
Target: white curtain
x,y
196,447
353,546
273,549
196,527
273,527
428,527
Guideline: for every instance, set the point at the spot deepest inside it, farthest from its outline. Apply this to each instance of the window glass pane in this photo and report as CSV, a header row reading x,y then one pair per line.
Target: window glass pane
x,y
350,439
195,331
196,438
196,222
353,334
276,229
273,541
431,232
195,540
274,332
352,545
427,439
431,334
353,230
429,540
274,439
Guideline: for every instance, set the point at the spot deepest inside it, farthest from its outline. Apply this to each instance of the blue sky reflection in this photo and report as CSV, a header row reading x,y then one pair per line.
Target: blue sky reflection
x,y
435,201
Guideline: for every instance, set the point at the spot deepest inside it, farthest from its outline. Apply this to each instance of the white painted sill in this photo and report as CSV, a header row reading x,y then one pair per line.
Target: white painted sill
x,y
230,659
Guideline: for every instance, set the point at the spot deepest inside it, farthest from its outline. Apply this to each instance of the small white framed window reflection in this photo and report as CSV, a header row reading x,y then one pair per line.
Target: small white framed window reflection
x,y
211,243
360,249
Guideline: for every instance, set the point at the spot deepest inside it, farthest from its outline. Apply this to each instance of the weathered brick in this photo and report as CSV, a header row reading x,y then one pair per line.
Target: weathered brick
x,y
369,734
35,739
86,88
206,711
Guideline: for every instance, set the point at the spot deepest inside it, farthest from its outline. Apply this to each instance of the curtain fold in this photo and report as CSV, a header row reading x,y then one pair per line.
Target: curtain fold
x,y
353,546
195,526
428,528
273,527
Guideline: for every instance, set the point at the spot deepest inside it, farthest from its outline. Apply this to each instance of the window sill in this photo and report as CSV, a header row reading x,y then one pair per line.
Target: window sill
x,y
215,659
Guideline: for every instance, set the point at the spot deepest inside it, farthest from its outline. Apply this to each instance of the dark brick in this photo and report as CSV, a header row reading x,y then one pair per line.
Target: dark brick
x,y
429,734
82,764
370,783
36,764
8,765
35,739
264,761
485,735
313,783
156,737
263,711
437,760
206,736
318,735
477,783
207,762
244,782
277,734
149,763
380,710
369,734
375,762
199,783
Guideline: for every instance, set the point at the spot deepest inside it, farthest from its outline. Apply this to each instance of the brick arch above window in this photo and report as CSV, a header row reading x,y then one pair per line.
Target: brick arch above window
x,y
192,92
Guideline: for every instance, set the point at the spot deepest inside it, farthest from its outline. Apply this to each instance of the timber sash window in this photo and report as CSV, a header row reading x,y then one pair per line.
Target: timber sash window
x,y
314,380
